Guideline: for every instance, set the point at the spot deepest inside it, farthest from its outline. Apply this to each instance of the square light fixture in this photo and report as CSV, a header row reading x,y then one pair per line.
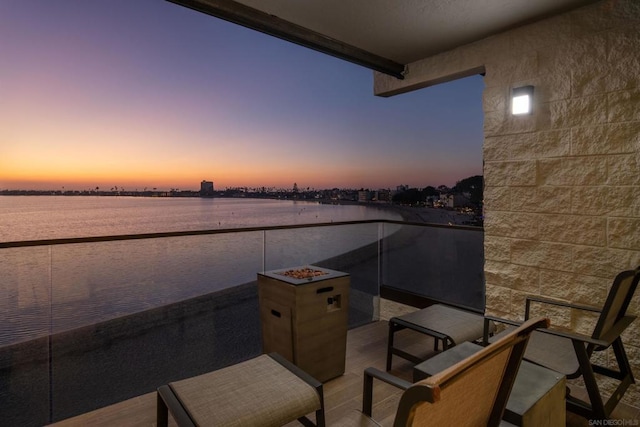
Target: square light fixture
x,y
522,100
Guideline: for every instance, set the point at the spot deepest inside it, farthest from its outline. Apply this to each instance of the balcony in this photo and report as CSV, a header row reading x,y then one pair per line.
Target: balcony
x,y
95,325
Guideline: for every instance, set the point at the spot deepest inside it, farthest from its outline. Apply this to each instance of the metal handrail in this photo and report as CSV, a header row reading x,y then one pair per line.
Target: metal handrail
x,y
120,237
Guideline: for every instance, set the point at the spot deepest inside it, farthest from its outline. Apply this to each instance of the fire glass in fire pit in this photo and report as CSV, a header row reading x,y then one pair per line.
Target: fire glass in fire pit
x,y
302,273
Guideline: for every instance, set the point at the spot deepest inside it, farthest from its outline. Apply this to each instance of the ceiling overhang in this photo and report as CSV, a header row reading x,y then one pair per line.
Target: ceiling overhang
x,y
383,35
255,19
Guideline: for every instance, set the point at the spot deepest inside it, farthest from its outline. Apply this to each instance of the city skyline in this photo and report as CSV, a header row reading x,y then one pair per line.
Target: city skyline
x,y
150,94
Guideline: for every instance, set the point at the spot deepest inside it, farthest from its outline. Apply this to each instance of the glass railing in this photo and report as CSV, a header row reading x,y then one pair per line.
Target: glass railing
x,y
90,322
440,263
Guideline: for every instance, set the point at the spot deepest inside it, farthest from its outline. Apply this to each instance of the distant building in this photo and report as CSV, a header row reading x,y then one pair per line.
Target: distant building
x,y
383,195
364,196
206,188
454,200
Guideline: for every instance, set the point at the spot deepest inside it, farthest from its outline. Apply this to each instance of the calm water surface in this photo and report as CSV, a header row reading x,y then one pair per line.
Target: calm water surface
x,y
51,217
61,287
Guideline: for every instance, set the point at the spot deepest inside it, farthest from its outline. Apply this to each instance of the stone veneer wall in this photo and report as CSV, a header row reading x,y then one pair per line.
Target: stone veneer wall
x,y
562,186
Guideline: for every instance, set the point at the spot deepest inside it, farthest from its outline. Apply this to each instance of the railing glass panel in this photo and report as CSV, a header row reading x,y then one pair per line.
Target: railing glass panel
x,y
25,304
440,263
129,316
100,281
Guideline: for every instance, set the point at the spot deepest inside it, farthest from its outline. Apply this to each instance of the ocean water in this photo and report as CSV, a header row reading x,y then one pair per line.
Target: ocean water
x,y
55,288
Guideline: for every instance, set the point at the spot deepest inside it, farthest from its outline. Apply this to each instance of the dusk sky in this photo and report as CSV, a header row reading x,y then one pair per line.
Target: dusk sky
x,y
145,93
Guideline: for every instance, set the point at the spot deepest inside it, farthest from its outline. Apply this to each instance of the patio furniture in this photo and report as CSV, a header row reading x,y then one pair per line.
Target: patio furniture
x,y
472,392
572,354
538,395
444,323
263,391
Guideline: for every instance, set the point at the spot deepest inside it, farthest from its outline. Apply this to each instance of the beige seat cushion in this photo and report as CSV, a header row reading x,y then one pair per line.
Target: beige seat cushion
x,y
258,392
459,325
551,351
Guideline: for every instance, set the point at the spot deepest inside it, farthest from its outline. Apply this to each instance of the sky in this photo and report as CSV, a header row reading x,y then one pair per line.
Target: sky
x,y
148,94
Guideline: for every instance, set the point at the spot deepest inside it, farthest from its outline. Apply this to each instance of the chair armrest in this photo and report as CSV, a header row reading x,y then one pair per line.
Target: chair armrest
x,y
575,337
532,298
367,392
565,334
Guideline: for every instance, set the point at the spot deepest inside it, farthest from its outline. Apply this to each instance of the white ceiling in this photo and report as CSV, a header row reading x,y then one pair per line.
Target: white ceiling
x,y
382,34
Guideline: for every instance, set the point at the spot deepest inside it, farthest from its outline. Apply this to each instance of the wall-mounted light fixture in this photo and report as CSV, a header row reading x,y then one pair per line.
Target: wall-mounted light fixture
x,y
522,100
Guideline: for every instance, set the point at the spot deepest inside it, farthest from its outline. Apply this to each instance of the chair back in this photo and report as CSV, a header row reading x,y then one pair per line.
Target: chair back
x,y
615,308
472,392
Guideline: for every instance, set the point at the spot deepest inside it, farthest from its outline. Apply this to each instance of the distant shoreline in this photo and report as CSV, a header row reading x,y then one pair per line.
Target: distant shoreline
x,y
424,215
420,214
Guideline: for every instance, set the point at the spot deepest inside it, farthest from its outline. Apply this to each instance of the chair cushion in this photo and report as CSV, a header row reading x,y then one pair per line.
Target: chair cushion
x,y
458,325
259,391
551,351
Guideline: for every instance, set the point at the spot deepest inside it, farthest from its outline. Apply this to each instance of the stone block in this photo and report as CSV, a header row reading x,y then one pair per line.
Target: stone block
x,y
603,262
498,298
590,70
592,200
528,146
574,287
555,143
626,202
544,199
624,106
623,45
514,69
584,322
516,173
624,233
551,256
574,112
580,230
555,86
524,199
573,171
503,123
523,146
497,198
518,301
497,148
610,138
494,123
624,169
513,276
497,248
495,99
511,224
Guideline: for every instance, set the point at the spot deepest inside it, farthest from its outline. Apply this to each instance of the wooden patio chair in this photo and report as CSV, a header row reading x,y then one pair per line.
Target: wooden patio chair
x,y
573,354
473,392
